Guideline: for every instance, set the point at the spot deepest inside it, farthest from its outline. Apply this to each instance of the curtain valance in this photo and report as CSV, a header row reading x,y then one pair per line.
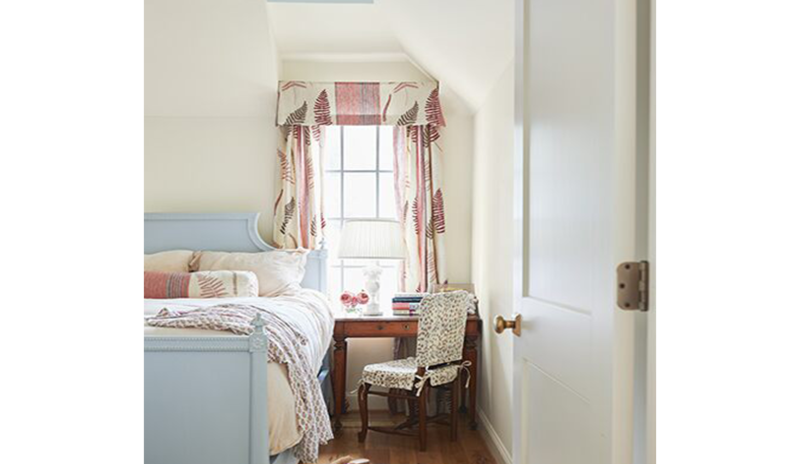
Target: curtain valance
x,y
302,103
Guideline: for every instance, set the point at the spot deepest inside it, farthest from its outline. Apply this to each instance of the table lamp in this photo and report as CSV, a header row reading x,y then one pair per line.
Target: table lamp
x,y
372,239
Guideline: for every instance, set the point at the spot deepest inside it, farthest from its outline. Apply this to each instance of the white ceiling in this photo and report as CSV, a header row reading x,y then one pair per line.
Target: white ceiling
x,y
465,44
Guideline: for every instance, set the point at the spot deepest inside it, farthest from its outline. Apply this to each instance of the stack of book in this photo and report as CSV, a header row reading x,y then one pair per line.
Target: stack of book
x,y
406,304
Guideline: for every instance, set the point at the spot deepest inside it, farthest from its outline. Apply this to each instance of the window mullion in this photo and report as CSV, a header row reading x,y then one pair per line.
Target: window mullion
x,y
341,202
377,170
341,175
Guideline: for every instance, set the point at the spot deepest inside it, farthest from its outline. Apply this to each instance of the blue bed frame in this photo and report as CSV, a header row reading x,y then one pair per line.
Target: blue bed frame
x,y
205,397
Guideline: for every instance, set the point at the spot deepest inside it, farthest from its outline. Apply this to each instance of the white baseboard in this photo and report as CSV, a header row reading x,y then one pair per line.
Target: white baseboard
x,y
492,439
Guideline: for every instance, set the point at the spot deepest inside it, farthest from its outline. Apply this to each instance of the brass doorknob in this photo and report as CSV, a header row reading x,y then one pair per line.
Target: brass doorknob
x,y
500,324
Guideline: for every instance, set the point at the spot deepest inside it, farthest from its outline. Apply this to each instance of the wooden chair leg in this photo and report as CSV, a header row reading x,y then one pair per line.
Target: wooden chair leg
x,y
363,392
392,402
454,388
422,402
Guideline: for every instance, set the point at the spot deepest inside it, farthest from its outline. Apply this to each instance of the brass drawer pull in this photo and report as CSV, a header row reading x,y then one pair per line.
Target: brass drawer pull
x,y
406,327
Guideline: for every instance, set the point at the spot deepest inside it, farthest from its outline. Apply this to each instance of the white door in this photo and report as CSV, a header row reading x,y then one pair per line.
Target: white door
x,y
575,220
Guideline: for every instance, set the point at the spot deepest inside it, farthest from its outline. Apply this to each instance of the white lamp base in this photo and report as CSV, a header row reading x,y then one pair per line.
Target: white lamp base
x,y
373,287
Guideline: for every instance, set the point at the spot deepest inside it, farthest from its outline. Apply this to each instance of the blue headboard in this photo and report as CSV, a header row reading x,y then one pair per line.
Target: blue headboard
x,y
220,232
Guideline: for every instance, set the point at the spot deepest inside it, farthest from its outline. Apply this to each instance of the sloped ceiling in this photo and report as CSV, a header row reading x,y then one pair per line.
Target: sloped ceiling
x,y
465,44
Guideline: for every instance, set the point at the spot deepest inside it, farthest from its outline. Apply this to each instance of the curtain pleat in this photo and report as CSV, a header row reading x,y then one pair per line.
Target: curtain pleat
x,y
299,220
420,205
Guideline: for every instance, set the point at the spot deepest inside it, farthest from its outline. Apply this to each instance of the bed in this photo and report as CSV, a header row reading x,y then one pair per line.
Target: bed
x,y
212,397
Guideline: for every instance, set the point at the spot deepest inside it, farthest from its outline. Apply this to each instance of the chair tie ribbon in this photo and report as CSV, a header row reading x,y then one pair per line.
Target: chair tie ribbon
x,y
425,378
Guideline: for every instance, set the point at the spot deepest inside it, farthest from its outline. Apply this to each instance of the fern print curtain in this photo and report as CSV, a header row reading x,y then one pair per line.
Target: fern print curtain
x,y
298,212
359,104
415,110
420,205
305,108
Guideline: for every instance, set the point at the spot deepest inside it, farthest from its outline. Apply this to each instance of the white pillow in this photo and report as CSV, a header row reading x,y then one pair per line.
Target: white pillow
x,y
278,271
168,261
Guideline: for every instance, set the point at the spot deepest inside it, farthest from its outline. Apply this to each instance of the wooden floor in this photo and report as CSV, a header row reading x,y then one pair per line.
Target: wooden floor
x,y
381,448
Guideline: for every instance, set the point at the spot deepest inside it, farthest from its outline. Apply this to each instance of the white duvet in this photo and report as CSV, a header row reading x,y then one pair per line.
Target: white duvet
x,y
310,312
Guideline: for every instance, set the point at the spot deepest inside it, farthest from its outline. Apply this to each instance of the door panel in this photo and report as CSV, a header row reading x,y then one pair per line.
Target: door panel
x,y
560,344
570,119
575,220
564,439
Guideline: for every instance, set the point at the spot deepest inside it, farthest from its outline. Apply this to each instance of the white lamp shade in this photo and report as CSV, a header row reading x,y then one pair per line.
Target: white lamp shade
x,y
371,239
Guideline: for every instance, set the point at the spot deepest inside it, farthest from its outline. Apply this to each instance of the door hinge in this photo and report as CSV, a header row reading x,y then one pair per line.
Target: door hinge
x,y
633,285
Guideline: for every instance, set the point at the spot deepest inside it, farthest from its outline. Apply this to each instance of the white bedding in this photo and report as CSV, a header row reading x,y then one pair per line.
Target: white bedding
x,y
309,310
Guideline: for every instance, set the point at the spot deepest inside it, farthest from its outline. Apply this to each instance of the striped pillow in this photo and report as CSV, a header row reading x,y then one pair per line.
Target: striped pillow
x,y
206,284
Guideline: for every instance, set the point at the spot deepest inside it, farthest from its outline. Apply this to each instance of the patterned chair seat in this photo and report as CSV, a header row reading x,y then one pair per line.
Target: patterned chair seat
x,y
402,374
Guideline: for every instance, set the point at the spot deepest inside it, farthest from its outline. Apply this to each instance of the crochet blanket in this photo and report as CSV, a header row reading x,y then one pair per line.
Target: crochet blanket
x,y
285,346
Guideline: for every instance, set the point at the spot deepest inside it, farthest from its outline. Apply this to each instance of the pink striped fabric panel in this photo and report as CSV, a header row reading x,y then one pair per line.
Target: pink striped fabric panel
x,y
358,103
166,284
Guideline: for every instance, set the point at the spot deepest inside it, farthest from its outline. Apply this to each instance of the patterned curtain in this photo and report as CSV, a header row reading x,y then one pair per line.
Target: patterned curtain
x,y
420,205
415,111
298,212
359,104
305,108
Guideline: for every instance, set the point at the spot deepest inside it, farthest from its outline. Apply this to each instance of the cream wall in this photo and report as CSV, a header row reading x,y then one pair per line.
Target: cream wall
x,y
353,70
211,73
457,145
492,252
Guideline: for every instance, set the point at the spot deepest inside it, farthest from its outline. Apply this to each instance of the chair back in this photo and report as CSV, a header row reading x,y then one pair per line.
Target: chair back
x,y
442,322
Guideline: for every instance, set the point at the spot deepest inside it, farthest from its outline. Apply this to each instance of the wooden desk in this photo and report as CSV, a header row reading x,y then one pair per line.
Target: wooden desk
x,y
389,326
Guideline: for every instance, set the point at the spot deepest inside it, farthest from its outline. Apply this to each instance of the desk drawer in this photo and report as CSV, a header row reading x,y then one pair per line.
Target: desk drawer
x,y
381,329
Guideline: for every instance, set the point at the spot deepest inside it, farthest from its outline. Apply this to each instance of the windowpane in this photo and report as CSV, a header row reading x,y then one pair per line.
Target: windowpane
x,y
388,285
332,230
333,147
334,282
386,148
388,209
333,195
359,195
353,279
360,143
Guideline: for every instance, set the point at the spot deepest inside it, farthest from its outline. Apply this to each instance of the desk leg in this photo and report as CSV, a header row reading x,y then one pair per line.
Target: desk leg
x,y
471,355
339,380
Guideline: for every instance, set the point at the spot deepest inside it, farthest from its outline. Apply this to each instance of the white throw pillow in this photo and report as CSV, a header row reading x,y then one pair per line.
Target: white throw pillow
x,y
168,261
278,271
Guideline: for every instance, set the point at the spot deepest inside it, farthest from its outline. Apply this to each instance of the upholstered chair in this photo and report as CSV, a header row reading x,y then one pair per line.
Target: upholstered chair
x,y
438,362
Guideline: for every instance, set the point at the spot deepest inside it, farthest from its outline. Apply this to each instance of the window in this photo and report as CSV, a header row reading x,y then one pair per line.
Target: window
x,y
359,183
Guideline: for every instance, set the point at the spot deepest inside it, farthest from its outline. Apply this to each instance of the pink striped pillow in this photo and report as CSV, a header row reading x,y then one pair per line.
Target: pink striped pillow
x,y
208,284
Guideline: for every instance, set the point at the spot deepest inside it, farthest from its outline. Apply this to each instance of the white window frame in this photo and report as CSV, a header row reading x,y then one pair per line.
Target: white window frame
x,y
339,265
